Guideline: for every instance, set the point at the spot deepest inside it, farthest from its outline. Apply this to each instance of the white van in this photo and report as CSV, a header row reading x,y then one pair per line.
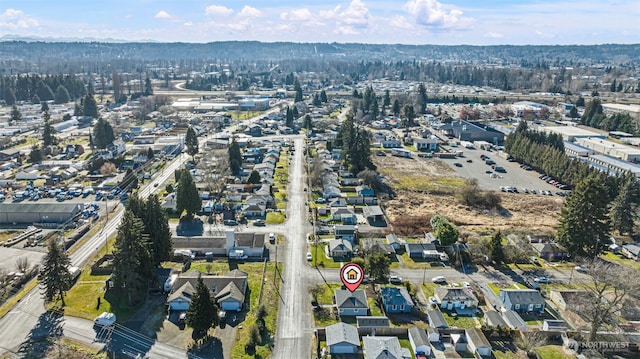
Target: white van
x,y
272,238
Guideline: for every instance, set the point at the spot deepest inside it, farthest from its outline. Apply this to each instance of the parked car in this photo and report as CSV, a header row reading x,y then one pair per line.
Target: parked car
x,y
394,279
272,238
320,200
581,269
458,164
105,319
259,223
543,280
309,257
433,300
230,222
466,285
439,279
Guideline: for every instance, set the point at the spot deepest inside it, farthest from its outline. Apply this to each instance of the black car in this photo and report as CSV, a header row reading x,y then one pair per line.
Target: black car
x,y
258,223
230,222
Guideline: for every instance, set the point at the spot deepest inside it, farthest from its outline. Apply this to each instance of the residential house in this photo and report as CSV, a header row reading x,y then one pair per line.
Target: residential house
x,y
365,191
372,322
254,210
391,142
631,251
340,249
396,300
429,144
478,342
344,215
251,244
550,251
351,303
452,298
459,342
373,214
229,289
419,341
346,232
436,319
493,319
514,320
396,242
433,334
522,300
384,348
342,338
374,246
254,130
423,251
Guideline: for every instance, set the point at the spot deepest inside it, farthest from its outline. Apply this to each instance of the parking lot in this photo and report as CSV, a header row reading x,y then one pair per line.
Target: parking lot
x,y
489,179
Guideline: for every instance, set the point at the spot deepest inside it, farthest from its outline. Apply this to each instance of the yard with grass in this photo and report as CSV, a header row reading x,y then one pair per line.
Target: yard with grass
x,y
275,218
460,321
404,343
620,259
552,352
319,257
411,263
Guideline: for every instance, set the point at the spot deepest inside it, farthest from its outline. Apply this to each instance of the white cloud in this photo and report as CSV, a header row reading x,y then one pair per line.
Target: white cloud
x,y
433,14
297,15
400,22
217,10
350,21
188,23
249,12
545,35
163,15
16,19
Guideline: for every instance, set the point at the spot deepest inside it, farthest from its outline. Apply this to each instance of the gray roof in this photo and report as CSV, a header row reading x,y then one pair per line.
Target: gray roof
x,y
393,238
419,336
632,248
452,294
494,318
345,299
548,248
419,247
216,284
436,319
369,321
376,245
231,291
395,296
513,319
336,243
477,337
185,291
342,333
52,207
520,296
253,240
370,211
382,348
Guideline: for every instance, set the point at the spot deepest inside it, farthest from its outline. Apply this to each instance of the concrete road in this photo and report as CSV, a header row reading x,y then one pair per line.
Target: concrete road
x,y
295,322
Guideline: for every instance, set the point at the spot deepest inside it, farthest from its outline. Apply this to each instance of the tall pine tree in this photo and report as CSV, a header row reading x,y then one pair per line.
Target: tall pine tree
x,y
54,276
191,141
623,208
187,197
203,310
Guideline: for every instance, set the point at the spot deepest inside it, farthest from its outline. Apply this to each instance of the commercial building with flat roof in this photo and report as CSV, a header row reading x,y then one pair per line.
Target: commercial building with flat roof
x,y
612,149
573,150
24,212
571,133
612,165
467,131
632,110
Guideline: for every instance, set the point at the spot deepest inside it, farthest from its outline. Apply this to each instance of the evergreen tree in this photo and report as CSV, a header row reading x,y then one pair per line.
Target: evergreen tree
x,y
298,89
254,177
44,107
580,101
150,153
43,91
409,115
573,113
316,100
583,219
48,132
35,156
62,95
422,99
308,123
377,266
395,109
77,110
9,96
132,263
187,198
156,224
191,141
203,310
446,233
54,276
623,208
235,157
103,133
495,246
289,118
90,107
148,90
613,86
16,115
323,96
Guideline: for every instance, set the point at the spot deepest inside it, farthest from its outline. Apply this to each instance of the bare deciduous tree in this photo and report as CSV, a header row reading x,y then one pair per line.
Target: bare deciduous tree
x,y
22,264
607,289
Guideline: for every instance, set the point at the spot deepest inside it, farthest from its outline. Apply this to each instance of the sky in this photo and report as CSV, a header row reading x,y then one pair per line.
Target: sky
x,y
445,22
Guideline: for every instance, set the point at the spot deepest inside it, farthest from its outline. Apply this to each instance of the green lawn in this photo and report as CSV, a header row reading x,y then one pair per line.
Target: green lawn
x,y
404,343
410,263
320,259
324,317
428,288
612,257
374,308
326,297
460,321
552,352
275,218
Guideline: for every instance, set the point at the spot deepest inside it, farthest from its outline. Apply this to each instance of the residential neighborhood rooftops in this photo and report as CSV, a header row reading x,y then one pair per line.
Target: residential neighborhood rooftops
x,y
348,299
342,333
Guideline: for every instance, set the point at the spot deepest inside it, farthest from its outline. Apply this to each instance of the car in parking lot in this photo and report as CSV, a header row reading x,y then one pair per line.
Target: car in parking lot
x,y
320,200
439,279
469,161
457,164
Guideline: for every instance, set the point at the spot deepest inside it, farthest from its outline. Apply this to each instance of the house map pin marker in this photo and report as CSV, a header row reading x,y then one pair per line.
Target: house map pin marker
x,y
351,275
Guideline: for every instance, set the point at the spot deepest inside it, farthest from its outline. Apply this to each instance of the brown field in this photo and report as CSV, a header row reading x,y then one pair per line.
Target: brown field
x,y
425,187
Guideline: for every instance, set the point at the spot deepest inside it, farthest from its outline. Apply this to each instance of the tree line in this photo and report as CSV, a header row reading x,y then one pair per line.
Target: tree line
x,y
594,116
36,88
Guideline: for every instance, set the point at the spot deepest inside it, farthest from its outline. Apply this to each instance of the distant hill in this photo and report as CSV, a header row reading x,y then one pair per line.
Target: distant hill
x,y
44,49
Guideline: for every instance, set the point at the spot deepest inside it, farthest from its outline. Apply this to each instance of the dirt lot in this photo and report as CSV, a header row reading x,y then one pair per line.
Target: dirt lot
x,y
424,187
